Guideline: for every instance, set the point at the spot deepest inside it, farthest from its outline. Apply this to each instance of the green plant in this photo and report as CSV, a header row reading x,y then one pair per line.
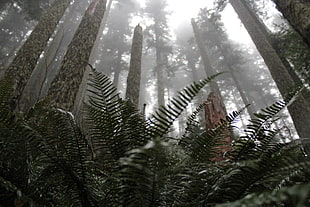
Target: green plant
x,y
117,158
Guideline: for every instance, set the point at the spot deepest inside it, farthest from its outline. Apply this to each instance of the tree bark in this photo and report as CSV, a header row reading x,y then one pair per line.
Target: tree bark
x,y
81,96
214,113
27,56
299,110
297,12
206,61
66,84
47,66
134,75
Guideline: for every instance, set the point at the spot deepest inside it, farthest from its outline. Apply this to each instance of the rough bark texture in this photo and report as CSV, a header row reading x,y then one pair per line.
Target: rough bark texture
x,y
300,109
47,66
214,112
81,96
66,84
27,56
297,12
134,75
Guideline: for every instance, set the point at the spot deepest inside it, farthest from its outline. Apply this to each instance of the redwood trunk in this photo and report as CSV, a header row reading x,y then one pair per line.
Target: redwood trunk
x,y
214,113
66,84
27,56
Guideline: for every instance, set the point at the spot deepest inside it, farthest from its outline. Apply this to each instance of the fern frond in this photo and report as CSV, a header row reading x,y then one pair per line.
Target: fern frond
x,y
60,152
143,174
262,174
114,126
296,195
203,147
162,119
259,139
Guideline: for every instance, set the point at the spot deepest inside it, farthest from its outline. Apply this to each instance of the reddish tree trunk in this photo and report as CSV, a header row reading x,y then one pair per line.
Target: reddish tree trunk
x,y
214,113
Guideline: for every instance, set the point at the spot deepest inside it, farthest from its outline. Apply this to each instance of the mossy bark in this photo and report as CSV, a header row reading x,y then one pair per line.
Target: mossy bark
x,y
27,56
297,12
66,84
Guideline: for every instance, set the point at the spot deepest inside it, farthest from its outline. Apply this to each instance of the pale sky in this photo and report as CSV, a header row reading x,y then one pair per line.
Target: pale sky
x,y
183,11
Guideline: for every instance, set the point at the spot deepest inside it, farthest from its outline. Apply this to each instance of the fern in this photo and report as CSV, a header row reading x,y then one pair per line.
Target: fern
x,y
259,140
204,147
296,195
114,126
143,175
119,159
163,118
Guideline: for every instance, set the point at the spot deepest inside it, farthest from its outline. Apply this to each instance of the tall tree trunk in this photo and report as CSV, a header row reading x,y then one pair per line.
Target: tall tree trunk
x,y
299,110
82,93
159,67
47,66
214,113
272,41
118,68
297,12
206,61
226,51
134,75
160,78
66,84
204,56
27,56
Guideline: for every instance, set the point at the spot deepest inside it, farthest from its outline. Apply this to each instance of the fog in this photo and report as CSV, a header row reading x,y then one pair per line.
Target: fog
x,y
171,59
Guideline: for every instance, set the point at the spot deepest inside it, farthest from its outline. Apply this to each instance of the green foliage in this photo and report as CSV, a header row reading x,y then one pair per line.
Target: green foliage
x,y
121,159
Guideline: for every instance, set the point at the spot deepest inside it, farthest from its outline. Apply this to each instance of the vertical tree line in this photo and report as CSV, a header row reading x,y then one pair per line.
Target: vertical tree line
x,y
299,110
66,83
27,56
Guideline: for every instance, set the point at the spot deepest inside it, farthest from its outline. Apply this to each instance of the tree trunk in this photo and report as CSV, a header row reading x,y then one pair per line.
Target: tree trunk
x,y
299,110
273,42
226,51
204,56
82,93
206,61
214,113
117,68
27,56
66,84
297,12
159,66
134,75
47,66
